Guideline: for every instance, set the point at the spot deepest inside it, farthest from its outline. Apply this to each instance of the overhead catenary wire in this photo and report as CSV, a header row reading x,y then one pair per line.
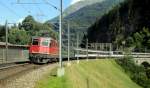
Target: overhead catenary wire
x,y
11,10
48,3
33,2
23,7
41,13
36,4
28,11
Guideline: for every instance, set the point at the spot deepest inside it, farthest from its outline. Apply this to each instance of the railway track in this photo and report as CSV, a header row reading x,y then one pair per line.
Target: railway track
x,y
11,65
10,72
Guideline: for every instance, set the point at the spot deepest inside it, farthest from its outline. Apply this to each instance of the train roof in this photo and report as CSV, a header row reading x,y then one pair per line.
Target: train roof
x,y
45,38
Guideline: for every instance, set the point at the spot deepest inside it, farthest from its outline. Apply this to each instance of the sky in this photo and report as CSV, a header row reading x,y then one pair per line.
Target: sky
x,y
74,1
14,12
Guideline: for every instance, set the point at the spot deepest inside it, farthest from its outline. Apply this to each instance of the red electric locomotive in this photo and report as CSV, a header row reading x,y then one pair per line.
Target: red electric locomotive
x,y
43,50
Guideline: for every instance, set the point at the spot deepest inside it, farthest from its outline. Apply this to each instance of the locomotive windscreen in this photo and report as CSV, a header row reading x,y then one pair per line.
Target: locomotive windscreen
x,y
45,43
35,42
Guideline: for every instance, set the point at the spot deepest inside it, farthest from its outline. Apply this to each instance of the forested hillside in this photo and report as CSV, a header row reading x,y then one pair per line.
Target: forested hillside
x,y
87,15
128,24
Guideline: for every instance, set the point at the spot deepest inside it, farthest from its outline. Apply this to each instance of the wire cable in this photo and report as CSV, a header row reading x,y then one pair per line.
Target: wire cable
x,y
11,10
51,5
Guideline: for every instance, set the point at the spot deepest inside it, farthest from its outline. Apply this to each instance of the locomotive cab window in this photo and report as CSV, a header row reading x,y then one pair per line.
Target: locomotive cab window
x,y
35,42
52,43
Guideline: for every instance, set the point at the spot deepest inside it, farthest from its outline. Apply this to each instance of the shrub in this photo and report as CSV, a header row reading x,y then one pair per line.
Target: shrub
x,y
137,73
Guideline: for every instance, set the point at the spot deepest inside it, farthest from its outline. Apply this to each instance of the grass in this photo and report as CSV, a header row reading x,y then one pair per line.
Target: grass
x,y
92,74
51,81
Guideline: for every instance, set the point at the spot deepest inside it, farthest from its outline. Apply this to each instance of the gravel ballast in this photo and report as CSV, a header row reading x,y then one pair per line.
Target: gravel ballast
x,y
29,79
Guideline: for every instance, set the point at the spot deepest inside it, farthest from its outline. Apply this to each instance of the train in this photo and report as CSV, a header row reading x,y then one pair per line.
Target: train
x,y
43,50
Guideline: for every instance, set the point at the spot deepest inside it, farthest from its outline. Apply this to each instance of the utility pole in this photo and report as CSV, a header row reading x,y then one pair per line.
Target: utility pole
x,y
96,50
68,44
110,49
6,41
60,71
60,35
87,49
77,47
101,46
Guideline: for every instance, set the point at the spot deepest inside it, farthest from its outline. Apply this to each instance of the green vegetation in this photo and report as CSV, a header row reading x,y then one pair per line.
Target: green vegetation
x,y
51,81
2,32
35,28
17,36
89,14
23,32
137,73
92,74
126,25
83,14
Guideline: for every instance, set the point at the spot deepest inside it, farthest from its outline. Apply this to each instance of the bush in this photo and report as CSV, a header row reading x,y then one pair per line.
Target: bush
x,y
17,36
137,73
148,73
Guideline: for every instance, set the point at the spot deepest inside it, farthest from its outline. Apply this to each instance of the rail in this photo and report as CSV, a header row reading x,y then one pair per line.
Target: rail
x,y
11,65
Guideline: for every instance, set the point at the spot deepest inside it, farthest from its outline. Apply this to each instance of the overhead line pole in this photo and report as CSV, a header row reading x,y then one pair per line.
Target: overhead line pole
x,y
68,44
87,45
77,47
60,71
6,41
60,37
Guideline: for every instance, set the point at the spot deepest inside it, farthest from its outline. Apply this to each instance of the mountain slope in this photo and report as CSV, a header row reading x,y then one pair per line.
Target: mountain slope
x,y
87,15
77,6
127,24
86,12
74,7
84,16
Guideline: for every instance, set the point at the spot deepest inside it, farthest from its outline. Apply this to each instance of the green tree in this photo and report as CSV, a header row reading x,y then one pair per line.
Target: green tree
x,y
17,36
28,23
2,33
138,38
35,28
146,40
129,42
